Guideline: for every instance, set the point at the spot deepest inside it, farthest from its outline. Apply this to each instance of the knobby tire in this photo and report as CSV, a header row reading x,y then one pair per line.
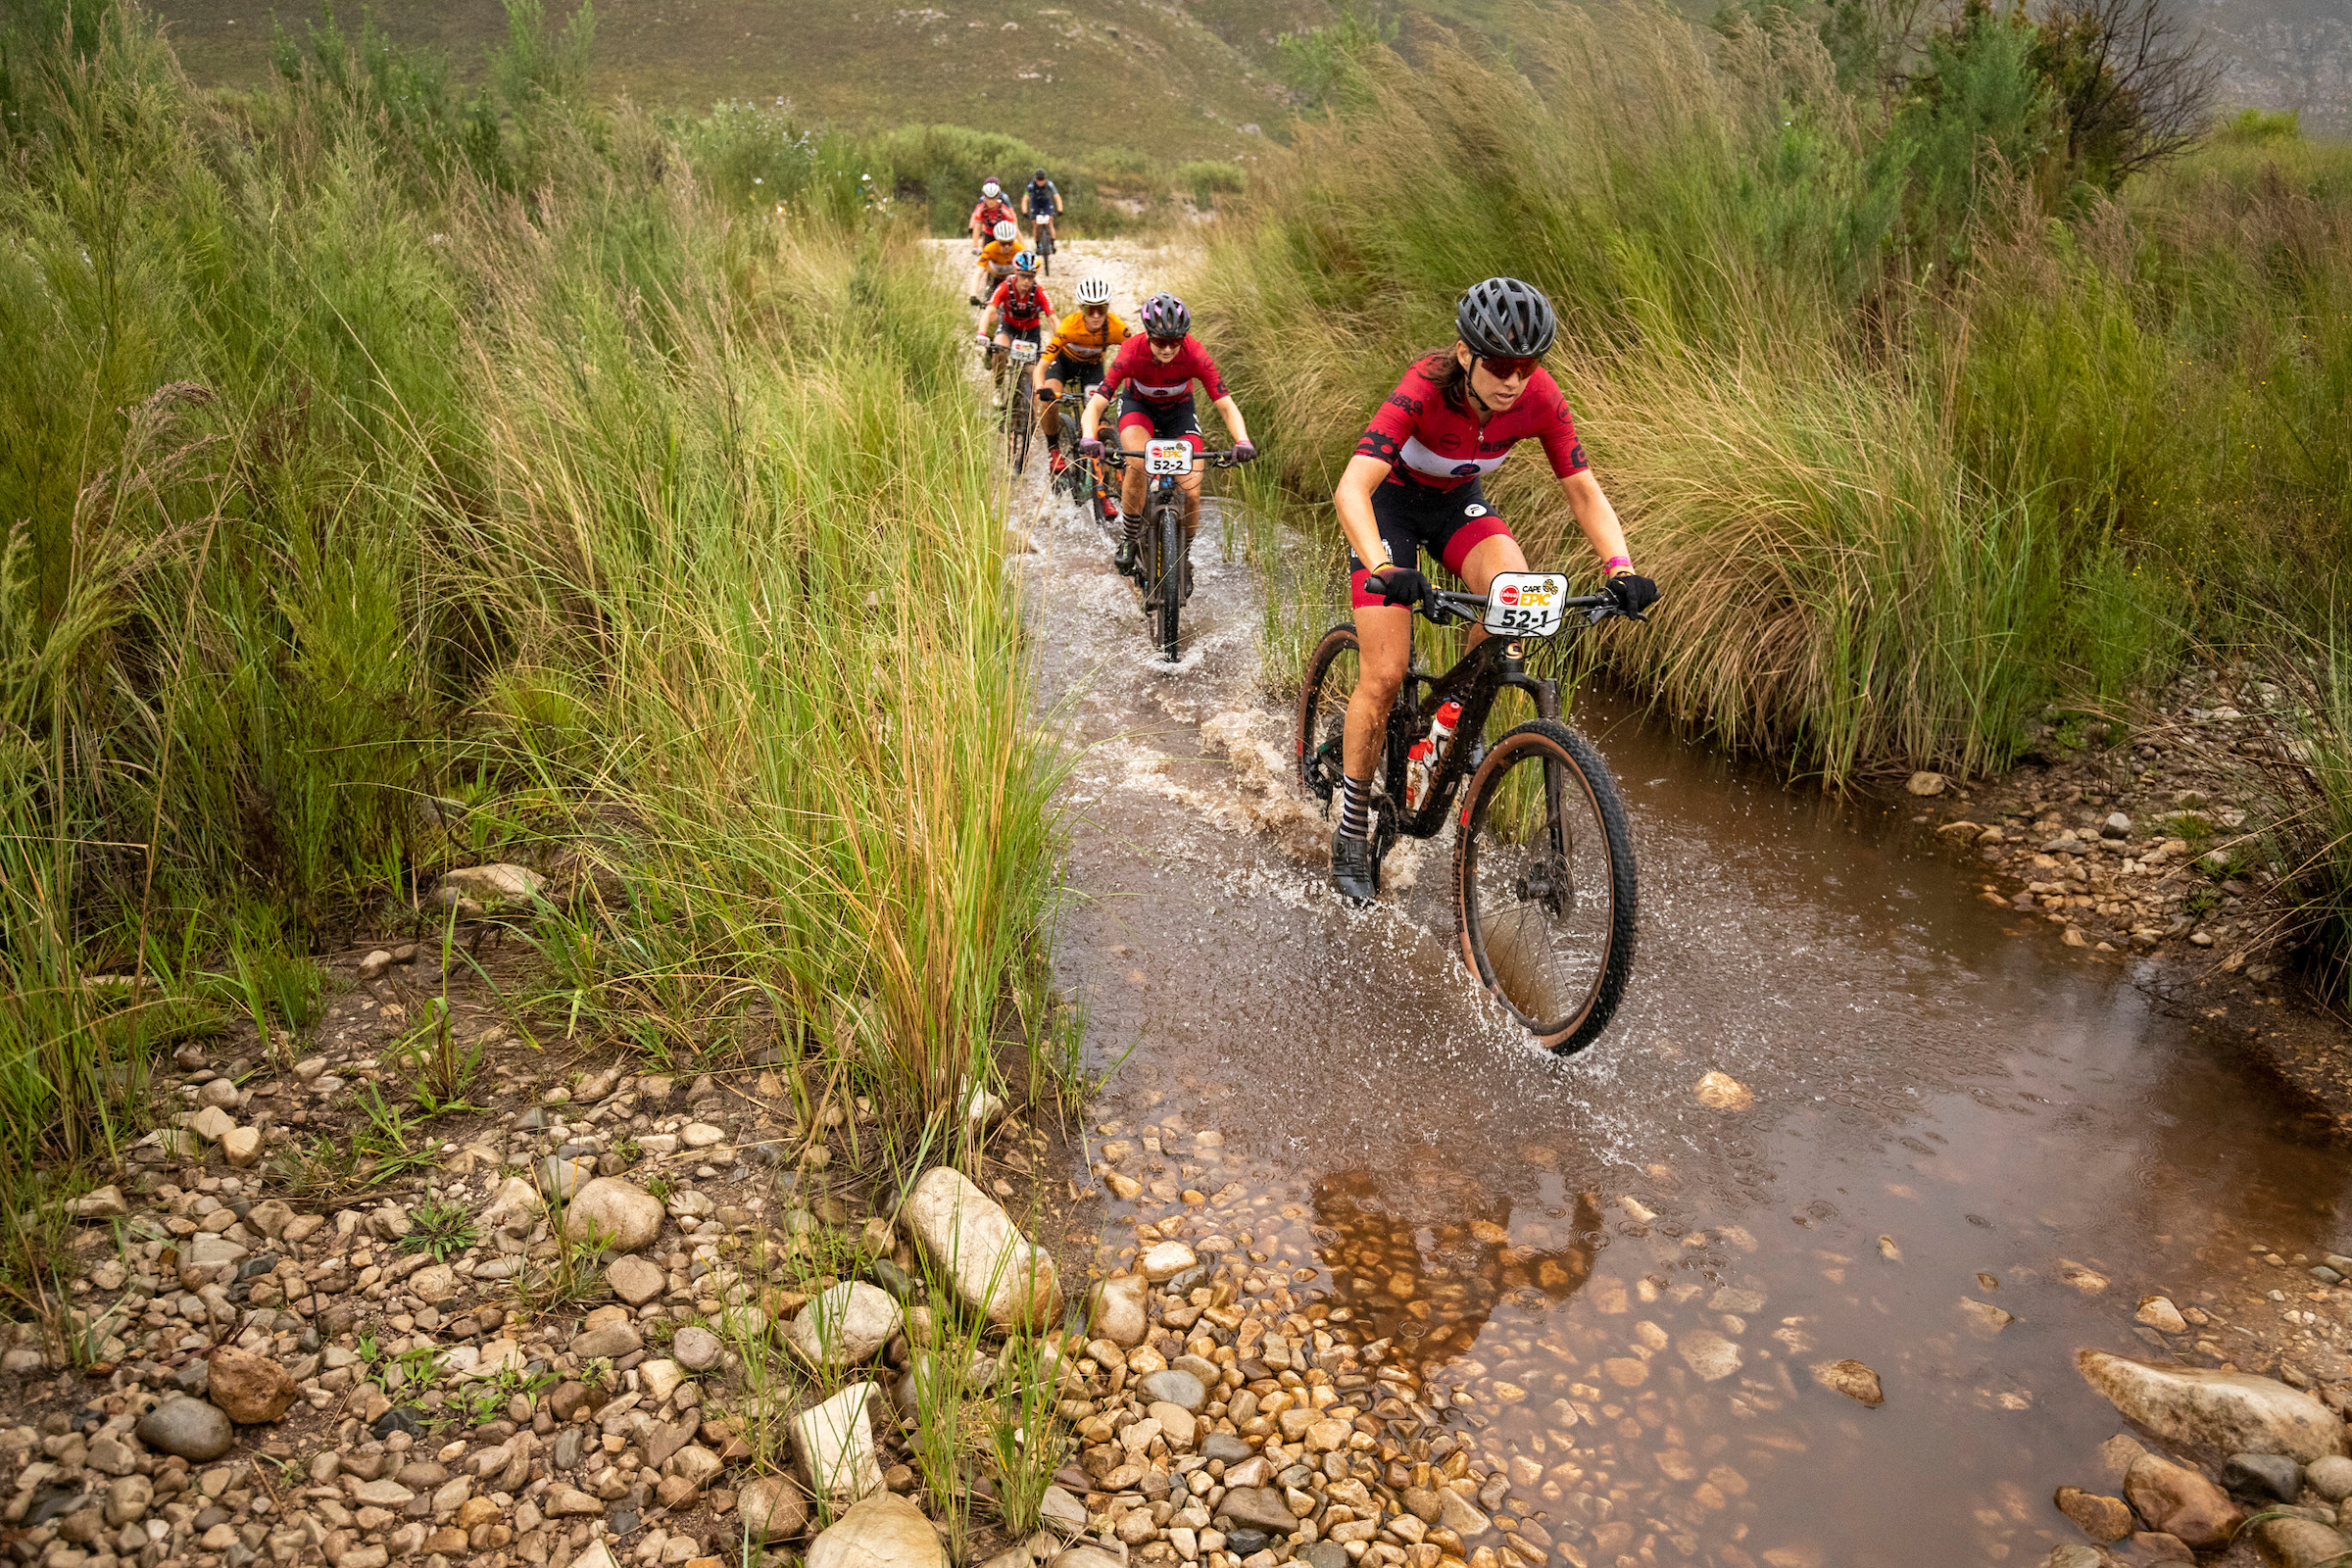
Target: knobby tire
x,y
1169,528
1573,772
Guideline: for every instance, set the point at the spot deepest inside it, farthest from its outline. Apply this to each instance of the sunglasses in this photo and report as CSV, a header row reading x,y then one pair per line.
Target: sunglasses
x,y
1510,369
1167,342
1095,309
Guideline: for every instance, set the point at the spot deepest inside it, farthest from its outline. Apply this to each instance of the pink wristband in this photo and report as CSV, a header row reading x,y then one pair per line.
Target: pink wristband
x,y
1609,567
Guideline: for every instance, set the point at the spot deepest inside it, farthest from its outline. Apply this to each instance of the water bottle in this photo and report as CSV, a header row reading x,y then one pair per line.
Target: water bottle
x,y
1417,768
1421,758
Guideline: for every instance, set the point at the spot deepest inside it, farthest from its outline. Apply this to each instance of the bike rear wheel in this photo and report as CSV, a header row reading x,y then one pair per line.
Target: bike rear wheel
x,y
1018,417
1544,884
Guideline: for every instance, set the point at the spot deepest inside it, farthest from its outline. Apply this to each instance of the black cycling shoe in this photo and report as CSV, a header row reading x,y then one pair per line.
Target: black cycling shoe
x,y
1122,556
1351,875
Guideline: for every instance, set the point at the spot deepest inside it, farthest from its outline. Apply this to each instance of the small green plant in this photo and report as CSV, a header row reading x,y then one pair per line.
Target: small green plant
x,y
570,1274
420,1367
662,1186
443,1228
628,1149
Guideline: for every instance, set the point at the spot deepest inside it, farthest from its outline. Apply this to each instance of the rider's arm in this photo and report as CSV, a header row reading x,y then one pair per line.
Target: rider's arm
x,y
1595,517
1090,422
1231,412
990,321
1353,499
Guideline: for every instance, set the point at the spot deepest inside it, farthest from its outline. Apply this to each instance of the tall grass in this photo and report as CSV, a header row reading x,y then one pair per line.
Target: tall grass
x,y
364,448
1914,436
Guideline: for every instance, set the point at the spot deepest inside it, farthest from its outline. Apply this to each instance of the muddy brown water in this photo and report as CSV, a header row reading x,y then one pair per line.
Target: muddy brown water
x,y
1576,1253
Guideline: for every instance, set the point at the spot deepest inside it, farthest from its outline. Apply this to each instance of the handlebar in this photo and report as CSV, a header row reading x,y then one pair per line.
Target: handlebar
x,y
1117,458
1443,608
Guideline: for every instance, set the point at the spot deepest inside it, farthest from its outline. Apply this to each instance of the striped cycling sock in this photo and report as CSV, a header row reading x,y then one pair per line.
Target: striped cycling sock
x,y
1355,809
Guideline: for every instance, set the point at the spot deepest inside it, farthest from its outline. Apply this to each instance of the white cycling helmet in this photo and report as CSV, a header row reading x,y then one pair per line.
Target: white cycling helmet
x,y
1005,228
992,189
1094,291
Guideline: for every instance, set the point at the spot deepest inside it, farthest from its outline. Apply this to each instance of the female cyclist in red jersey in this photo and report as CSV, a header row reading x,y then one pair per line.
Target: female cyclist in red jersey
x,y
1152,378
1017,311
1414,485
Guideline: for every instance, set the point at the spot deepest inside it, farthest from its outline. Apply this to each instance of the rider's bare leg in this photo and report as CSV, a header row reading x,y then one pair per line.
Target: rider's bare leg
x,y
1384,634
1496,554
1131,477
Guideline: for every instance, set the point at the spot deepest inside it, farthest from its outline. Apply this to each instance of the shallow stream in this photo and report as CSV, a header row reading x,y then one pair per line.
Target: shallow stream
x,y
1623,1283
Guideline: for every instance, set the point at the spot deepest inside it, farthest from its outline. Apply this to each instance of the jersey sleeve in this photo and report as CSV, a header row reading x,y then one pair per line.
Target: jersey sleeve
x,y
1002,297
1392,423
1045,306
1122,365
1557,432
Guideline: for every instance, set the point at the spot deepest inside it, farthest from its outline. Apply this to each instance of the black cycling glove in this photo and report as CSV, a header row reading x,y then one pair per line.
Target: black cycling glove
x,y
1634,593
1399,585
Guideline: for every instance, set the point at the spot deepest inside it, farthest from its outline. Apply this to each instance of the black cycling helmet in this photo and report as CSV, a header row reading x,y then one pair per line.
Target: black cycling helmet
x,y
1505,317
1164,316
1041,173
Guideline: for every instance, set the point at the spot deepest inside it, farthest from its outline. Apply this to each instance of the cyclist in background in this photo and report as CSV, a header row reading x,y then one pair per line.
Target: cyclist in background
x,y
996,261
1414,485
1152,378
1017,309
993,209
1074,356
1043,201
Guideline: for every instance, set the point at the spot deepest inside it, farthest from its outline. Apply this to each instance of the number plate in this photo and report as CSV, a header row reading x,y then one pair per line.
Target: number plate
x,y
1024,352
1167,457
1526,604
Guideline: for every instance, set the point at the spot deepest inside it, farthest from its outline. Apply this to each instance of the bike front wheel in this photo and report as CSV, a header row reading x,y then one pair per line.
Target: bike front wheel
x,y
1168,530
1019,418
1544,884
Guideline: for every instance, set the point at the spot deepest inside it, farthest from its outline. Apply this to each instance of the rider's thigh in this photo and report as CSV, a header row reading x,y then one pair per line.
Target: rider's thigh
x,y
1133,436
1501,552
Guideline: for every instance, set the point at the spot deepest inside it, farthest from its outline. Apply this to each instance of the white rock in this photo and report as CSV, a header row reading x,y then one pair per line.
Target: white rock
x,y
1165,1260
515,1204
2226,1412
1708,1353
2159,1313
475,889
624,1214
834,1444
883,1531
660,1379
702,1135
844,1327
212,1124
1926,783
1121,1310
995,1270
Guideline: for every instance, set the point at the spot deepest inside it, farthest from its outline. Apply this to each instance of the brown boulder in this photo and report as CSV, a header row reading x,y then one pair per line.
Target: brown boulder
x,y
252,1388
2179,1501
2100,1517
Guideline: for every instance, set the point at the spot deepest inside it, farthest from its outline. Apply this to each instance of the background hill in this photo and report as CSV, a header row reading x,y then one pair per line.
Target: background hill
x,y
1169,81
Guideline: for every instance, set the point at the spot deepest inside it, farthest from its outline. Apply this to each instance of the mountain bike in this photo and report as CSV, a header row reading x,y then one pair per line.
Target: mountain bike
x,y
1042,242
1017,414
1542,862
1160,551
1086,485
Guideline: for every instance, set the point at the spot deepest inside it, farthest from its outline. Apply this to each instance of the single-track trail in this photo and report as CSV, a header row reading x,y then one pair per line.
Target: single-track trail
x,y
1842,1115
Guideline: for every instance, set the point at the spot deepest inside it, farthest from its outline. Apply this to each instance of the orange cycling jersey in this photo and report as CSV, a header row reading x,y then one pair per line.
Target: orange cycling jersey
x,y
1071,337
997,254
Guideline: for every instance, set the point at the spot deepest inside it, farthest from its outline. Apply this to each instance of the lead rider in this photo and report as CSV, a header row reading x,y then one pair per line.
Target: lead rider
x,y
1414,484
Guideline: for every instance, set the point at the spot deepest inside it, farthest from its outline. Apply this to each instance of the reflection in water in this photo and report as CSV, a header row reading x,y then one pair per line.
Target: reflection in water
x,y
1423,1253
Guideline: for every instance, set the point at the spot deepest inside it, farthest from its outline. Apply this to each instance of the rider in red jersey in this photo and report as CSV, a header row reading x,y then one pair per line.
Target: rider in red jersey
x,y
1414,485
1152,378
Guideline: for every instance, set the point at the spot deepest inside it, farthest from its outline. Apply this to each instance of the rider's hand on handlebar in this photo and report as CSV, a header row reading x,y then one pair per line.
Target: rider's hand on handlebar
x,y
1090,449
1244,452
1634,593
1397,585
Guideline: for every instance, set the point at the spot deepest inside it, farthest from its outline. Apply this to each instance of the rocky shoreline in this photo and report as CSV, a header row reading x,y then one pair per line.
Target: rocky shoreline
x,y
2155,845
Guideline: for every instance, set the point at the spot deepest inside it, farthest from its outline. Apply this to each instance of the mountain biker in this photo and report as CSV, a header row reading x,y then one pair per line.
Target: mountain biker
x,y
1414,484
1043,198
1152,378
993,209
996,260
1018,309
1074,356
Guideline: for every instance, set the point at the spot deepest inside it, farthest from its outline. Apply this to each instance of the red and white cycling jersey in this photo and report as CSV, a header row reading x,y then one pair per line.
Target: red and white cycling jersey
x,y
1021,313
1425,442
1134,367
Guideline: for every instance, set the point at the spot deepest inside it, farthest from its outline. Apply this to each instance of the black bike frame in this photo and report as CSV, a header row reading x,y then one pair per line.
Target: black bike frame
x,y
1475,680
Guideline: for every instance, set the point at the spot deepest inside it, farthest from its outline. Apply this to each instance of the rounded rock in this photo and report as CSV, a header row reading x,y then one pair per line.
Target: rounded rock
x,y
189,1428
696,1348
1180,1389
623,1213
